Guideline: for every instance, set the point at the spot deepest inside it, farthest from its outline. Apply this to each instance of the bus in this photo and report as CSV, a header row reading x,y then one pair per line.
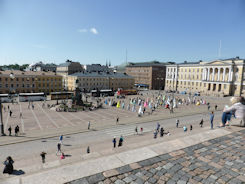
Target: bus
x,y
95,93
61,95
5,98
26,97
102,93
127,92
106,92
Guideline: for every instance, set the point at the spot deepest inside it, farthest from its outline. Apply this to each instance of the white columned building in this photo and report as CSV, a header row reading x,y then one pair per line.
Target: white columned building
x,y
218,73
213,74
224,69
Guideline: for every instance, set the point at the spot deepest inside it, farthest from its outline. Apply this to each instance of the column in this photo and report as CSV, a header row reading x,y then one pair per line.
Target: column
x,y
208,78
218,73
229,76
213,75
224,74
206,73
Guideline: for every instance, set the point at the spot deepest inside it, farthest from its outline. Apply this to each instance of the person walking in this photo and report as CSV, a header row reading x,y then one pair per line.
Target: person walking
x,y
161,132
61,139
155,134
43,156
208,107
117,121
62,156
114,140
9,129
88,125
88,149
20,114
190,127
211,120
58,148
158,127
141,130
16,130
185,129
215,107
136,130
201,123
120,142
10,113
177,123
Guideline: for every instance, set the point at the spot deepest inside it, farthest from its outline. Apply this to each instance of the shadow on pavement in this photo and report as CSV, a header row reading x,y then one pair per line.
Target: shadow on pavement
x,y
67,145
18,172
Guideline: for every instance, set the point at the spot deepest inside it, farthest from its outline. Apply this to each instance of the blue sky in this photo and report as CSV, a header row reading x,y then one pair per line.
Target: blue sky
x,y
93,31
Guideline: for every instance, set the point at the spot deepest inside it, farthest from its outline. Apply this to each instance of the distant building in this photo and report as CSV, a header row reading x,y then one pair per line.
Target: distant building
x,y
216,78
150,75
15,81
99,80
97,68
40,66
68,68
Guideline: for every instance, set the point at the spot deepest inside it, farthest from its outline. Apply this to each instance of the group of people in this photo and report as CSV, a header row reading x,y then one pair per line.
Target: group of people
x,y
160,130
120,141
16,130
150,104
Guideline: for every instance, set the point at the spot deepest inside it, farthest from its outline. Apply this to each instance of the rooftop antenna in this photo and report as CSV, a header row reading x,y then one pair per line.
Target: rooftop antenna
x,y
220,45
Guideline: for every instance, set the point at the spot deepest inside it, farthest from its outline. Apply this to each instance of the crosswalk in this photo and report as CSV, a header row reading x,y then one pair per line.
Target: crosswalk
x,y
124,130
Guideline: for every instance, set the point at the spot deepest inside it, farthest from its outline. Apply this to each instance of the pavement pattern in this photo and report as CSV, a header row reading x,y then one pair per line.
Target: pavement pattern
x,y
220,160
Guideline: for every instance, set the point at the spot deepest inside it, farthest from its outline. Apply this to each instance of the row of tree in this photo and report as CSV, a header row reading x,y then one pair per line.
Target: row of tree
x,y
14,67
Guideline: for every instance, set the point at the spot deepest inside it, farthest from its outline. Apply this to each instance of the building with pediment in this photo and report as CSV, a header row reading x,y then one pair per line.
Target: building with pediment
x,y
217,78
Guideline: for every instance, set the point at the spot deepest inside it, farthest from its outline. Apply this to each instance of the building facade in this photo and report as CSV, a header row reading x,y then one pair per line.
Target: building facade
x,y
86,81
15,81
148,74
68,68
218,78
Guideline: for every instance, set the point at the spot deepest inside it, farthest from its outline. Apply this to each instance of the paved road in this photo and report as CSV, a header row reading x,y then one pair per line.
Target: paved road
x,y
26,149
220,160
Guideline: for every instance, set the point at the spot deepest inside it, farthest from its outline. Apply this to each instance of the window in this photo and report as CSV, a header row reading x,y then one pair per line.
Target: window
x,y
6,79
12,85
28,85
17,85
224,86
17,79
23,85
6,85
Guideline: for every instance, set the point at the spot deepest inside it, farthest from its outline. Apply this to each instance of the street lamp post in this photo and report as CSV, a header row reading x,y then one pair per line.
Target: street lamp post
x,y
1,121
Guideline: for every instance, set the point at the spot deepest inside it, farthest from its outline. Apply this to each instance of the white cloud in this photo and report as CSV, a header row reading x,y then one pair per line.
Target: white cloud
x,y
93,30
82,30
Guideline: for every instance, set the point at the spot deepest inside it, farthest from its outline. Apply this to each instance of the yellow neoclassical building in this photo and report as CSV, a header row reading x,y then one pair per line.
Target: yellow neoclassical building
x,y
217,78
